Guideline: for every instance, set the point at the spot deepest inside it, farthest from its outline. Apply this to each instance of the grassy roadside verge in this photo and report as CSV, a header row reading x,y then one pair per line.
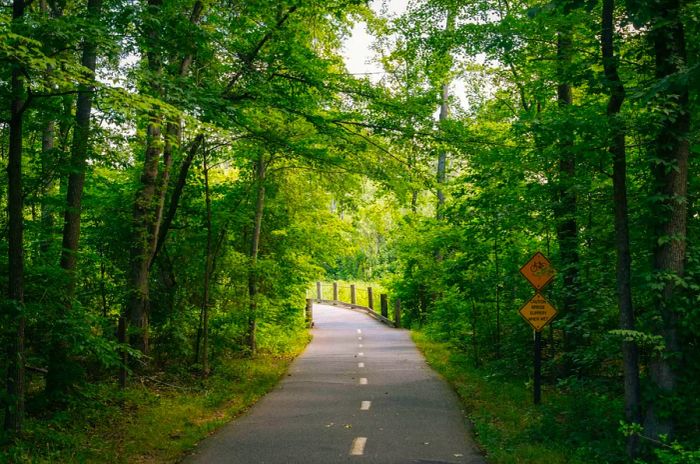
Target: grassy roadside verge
x,y
153,421
572,428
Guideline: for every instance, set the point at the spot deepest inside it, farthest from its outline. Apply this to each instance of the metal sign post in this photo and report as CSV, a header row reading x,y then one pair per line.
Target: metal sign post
x,y
538,312
537,381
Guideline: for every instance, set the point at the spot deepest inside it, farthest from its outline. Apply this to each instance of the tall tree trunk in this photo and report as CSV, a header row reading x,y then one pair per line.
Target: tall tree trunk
x,y
143,216
498,291
141,245
79,154
254,248
176,195
173,140
566,201
14,412
411,159
670,172
617,149
207,274
63,370
170,143
150,200
48,138
48,144
442,118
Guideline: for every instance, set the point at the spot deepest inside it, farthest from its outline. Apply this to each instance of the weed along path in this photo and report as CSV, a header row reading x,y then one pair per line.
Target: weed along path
x,y
361,392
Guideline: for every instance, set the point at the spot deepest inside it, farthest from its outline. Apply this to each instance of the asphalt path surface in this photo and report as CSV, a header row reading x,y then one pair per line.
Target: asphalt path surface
x,y
361,392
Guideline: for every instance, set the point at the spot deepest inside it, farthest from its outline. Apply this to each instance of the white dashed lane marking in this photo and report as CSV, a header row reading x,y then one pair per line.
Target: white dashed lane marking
x,y
365,405
360,364
358,446
363,381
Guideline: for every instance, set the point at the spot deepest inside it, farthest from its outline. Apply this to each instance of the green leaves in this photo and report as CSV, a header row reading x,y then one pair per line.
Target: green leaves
x,y
643,340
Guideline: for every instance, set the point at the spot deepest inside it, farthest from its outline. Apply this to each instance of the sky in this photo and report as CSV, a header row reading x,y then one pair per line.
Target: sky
x,y
356,50
359,57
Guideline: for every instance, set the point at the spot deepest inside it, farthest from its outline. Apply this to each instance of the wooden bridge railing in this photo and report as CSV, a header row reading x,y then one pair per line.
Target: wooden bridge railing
x,y
354,304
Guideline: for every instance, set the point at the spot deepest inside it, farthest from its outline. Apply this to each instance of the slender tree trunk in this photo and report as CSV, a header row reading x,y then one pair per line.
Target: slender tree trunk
x,y
48,137
63,370
14,412
103,278
414,190
207,275
178,189
566,201
498,293
79,154
671,185
254,248
173,140
442,117
141,245
630,356
143,216
48,144
150,200
442,156
475,340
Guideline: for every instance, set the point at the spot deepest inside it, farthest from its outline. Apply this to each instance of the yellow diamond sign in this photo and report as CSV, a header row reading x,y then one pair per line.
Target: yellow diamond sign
x,y
538,271
538,312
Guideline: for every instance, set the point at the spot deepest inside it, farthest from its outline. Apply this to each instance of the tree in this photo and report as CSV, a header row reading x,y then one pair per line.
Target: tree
x,y
618,153
442,118
670,172
14,411
150,199
64,371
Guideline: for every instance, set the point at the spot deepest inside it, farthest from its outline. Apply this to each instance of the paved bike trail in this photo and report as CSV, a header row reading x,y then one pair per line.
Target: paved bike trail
x,y
361,392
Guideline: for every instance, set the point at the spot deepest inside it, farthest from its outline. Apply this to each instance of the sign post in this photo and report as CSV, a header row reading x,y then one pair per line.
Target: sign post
x,y
537,380
538,312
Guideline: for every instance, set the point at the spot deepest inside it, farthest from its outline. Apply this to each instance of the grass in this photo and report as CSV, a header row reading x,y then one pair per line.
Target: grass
x,y
569,427
152,421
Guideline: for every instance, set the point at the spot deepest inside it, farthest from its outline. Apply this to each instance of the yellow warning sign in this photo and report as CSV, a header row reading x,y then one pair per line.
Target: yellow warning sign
x,y
538,271
538,312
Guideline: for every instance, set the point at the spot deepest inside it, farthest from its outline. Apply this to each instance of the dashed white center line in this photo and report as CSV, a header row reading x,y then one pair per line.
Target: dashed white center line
x,y
363,381
365,405
358,446
360,345
360,364
359,338
360,354
359,331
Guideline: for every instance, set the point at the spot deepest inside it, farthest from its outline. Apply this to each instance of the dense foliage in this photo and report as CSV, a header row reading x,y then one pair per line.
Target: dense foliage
x,y
188,167
575,136
169,165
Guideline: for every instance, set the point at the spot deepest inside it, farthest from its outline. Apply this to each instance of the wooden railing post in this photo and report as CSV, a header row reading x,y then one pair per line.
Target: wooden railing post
x,y
384,305
370,298
397,313
309,313
335,291
353,297
319,293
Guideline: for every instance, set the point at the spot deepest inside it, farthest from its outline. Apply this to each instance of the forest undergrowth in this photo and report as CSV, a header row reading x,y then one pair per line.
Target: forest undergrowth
x,y
159,418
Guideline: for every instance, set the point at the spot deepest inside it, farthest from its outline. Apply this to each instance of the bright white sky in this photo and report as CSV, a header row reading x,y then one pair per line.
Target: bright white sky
x,y
359,59
358,56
